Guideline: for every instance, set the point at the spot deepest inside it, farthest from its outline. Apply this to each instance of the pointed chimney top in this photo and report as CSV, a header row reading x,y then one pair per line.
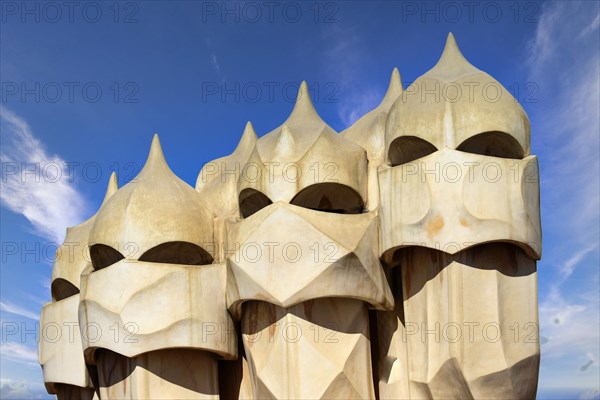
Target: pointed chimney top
x,y
112,187
303,92
304,110
452,64
249,133
395,88
301,129
452,53
156,158
247,141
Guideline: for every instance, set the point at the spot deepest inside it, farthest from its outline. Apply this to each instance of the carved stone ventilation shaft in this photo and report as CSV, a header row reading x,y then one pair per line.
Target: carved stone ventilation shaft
x,y
396,259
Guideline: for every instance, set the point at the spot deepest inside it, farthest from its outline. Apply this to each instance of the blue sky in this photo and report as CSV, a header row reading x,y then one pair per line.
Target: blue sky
x,y
88,86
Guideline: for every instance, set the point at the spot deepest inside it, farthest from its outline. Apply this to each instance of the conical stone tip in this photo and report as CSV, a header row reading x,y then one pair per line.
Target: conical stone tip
x,y
452,62
249,132
451,50
304,103
304,110
303,93
247,140
156,157
452,56
112,187
395,87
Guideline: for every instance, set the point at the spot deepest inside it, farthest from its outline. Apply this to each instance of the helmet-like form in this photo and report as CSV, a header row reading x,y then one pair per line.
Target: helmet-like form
x,y
65,372
154,284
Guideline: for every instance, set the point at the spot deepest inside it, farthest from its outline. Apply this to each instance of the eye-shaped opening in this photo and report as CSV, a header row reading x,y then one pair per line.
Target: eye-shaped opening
x,y
408,148
183,253
102,256
330,197
494,143
251,201
62,288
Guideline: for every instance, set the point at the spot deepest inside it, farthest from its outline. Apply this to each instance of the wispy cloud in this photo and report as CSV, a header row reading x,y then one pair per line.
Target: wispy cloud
x,y
592,394
19,352
358,105
564,60
543,44
50,202
13,389
592,27
37,300
567,124
17,310
568,266
355,101
569,325
45,282
565,66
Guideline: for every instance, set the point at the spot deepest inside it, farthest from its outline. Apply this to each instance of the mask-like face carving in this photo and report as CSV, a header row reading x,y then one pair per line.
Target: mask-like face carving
x,y
62,360
314,243
314,273
305,256
316,254
154,285
159,304
460,172
451,200
460,222
310,271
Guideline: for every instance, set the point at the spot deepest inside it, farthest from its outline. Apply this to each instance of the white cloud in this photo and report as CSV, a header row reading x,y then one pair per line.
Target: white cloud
x,y
17,310
19,352
567,125
592,394
569,266
37,300
570,325
592,27
544,45
564,61
13,389
357,105
355,101
49,202
45,283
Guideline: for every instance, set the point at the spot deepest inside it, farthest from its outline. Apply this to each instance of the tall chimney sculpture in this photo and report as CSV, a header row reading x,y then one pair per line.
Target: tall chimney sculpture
x,y
460,228
155,283
64,369
396,259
